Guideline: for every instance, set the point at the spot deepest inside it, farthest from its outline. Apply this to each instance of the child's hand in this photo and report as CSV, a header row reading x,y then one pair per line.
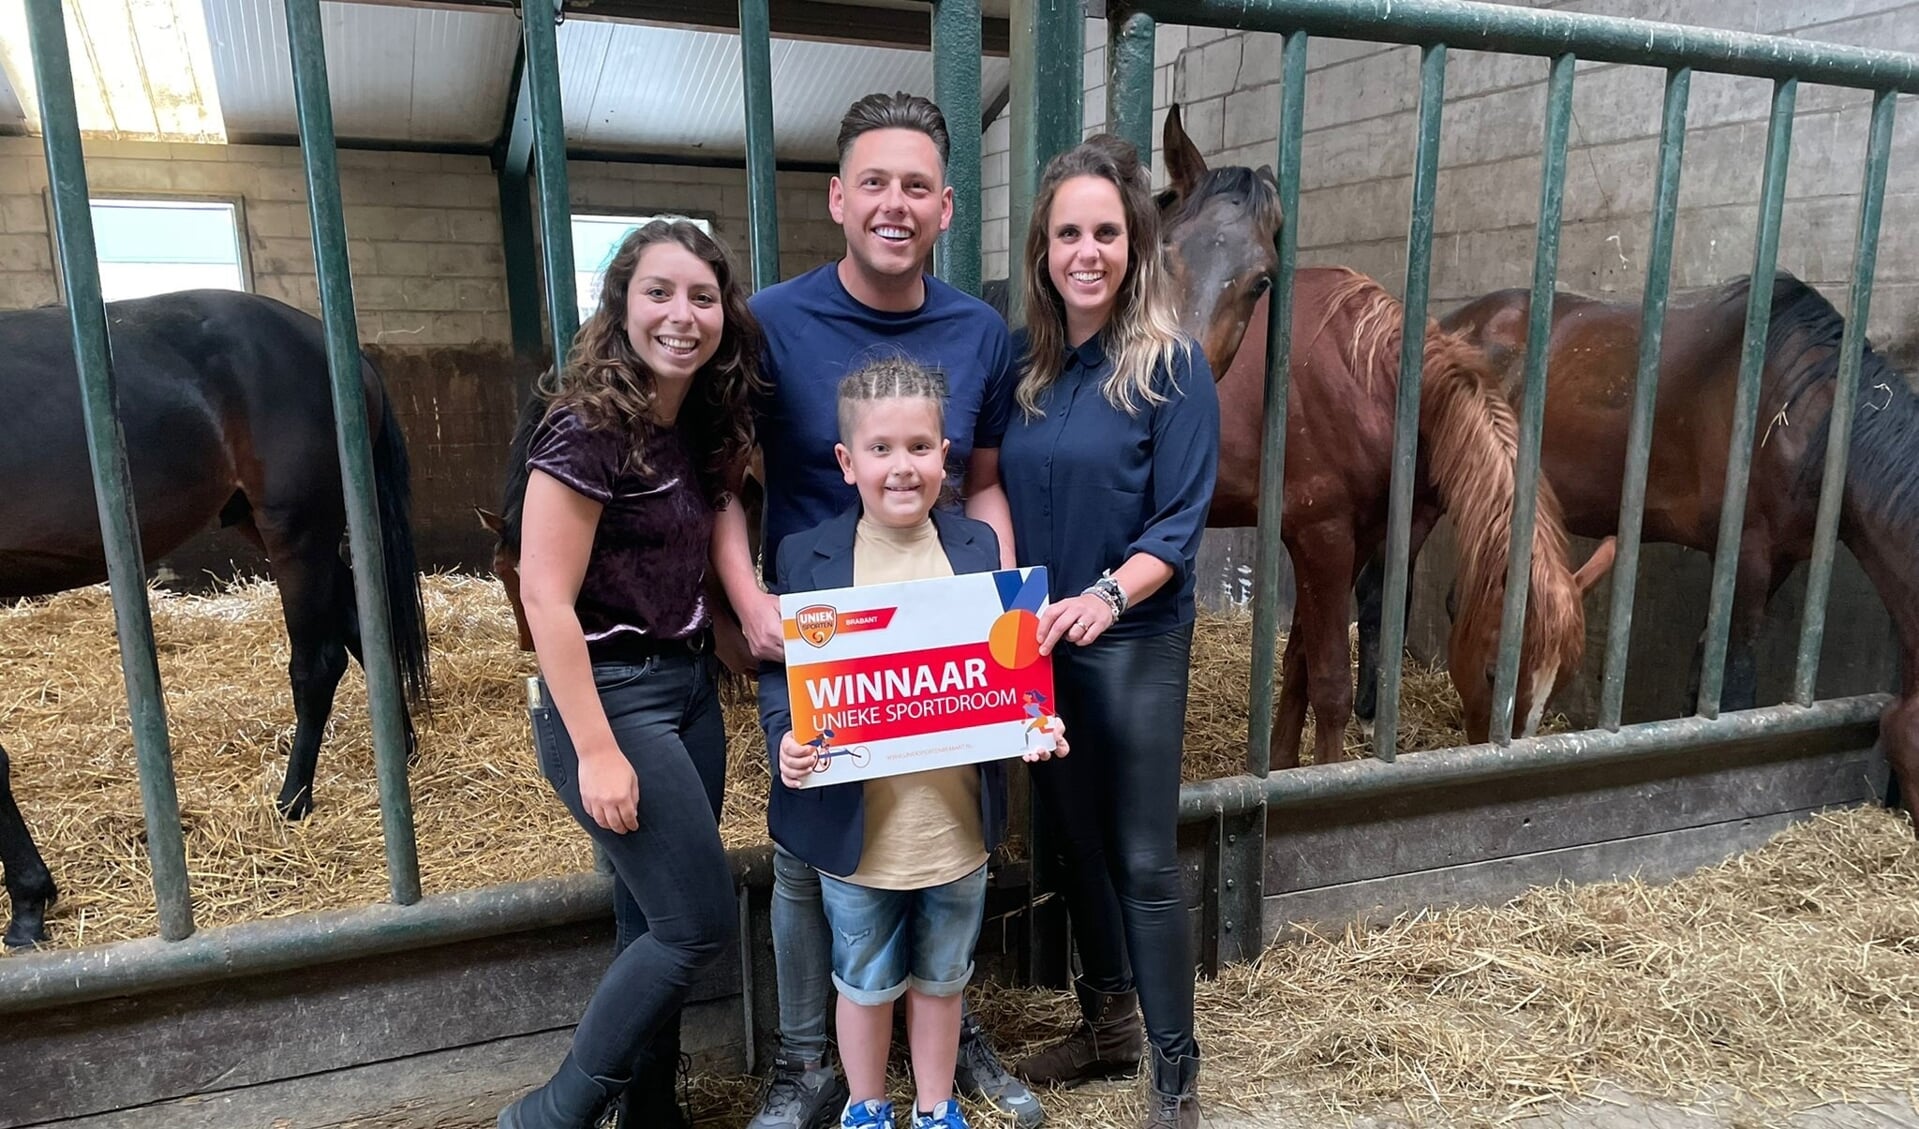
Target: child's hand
x,y
797,761
1060,747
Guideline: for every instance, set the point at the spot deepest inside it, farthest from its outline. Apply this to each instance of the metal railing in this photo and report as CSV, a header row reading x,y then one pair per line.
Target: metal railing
x,y
1564,39
1046,49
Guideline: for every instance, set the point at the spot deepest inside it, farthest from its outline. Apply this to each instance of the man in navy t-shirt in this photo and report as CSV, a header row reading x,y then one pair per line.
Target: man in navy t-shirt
x,y
892,200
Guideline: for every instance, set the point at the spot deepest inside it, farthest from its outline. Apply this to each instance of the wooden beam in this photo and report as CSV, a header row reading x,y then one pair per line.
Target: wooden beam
x,y
819,20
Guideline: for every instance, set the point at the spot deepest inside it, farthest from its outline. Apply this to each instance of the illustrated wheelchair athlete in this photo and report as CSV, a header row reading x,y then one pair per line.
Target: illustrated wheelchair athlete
x,y
823,748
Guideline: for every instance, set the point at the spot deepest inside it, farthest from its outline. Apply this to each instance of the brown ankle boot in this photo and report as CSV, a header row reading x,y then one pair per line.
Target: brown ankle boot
x,y
1107,1043
1174,1103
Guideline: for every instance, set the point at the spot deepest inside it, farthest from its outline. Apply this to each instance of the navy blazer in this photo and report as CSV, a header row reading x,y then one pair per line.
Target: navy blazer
x,y
826,827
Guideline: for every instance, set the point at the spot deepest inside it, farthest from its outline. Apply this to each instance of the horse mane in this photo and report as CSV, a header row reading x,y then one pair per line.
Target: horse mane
x,y
513,499
1471,438
1803,350
1240,187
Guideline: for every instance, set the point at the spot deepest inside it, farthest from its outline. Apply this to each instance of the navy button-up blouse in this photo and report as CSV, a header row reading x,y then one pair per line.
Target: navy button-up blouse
x,y
1089,485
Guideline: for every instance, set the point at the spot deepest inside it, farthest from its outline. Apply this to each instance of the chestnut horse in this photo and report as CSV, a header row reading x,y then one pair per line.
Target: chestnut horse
x,y
1593,357
1345,361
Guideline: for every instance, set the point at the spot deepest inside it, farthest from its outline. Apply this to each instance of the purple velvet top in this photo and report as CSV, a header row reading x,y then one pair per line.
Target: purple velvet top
x,y
644,580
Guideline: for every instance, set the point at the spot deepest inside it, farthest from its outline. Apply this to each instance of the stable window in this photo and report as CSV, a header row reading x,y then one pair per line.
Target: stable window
x,y
155,246
595,239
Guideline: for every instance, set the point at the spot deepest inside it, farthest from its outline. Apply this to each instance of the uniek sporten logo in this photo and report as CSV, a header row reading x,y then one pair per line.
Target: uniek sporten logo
x,y
817,623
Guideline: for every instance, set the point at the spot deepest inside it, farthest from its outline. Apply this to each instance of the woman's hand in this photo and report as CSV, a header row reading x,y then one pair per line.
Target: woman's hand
x,y
1078,619
610,791
797,761
765,631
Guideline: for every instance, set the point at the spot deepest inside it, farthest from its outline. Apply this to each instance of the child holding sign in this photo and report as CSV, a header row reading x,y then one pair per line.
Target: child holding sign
x,y
902,859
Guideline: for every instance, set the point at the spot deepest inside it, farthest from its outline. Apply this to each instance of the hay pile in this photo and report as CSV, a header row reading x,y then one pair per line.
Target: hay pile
x,y
1777,980
484,814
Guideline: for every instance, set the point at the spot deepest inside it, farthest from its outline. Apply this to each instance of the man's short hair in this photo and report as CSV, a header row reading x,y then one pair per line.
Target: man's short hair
x,y
899,110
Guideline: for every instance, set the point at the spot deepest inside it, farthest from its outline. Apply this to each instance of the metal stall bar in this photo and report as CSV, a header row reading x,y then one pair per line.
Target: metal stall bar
x,y
1548,32
540,27
1238,850
762,167
1129,78
1046,49
1269,549
1412,351
1752,363
107,452
1532,412
1652,324
513,159
1832,487
956,78
1844,719
314,106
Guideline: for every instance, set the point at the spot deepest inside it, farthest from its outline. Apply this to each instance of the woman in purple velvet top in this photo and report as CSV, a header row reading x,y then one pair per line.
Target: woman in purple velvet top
x,y
647,429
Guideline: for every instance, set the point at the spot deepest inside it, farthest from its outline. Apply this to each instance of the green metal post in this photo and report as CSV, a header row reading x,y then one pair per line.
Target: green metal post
x,y
540,23
956,78
351,438
1652,324
516,220
1412,353
1832,487
107,452
1129,77
1532,412
1046,49
762,175
1270,550
1752,362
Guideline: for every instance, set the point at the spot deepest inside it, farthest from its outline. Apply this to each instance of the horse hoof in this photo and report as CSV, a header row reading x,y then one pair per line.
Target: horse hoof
x,y
25,934
296,809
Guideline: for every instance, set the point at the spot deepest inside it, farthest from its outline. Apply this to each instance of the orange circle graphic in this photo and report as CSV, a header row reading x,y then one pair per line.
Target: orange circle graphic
x,y
1014,640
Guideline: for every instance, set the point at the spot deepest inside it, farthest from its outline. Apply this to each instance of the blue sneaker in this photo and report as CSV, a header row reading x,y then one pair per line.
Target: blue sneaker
x,y
873,1113
945,1115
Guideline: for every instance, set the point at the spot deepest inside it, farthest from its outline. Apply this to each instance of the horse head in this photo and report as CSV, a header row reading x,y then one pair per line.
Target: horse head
x,y
1219,236
1553,641
506,566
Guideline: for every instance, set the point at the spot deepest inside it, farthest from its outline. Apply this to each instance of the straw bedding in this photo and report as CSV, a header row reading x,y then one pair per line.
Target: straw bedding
x,y
482,811
1788,972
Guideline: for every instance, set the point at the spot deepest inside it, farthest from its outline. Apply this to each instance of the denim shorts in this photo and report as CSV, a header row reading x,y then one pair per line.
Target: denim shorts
x,y
885,941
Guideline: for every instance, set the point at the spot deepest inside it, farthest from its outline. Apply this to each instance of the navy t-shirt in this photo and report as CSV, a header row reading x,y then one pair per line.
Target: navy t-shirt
x,y
1090,485
816,333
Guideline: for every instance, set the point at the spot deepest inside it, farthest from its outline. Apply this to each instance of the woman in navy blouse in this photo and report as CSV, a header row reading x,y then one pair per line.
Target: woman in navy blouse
x,y
1109,468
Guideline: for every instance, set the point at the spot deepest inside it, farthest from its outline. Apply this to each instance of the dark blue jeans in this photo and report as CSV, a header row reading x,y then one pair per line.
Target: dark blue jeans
x,y
1113,812
665,714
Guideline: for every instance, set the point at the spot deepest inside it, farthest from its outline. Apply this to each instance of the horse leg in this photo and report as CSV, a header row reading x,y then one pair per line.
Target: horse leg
x,y
1289,714
1753,589
1899,737
350,625
1324,573
1370,590
29,884
316,593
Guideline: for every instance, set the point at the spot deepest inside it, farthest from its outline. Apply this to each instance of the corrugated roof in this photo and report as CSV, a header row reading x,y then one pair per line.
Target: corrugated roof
x,y
442,76
396,74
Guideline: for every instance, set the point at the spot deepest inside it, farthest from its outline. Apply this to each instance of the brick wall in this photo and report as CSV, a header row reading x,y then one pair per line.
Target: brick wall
x,y
423,230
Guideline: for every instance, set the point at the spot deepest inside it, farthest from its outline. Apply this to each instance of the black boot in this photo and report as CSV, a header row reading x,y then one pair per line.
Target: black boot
x,y
1175,1100
571,1099
652,1100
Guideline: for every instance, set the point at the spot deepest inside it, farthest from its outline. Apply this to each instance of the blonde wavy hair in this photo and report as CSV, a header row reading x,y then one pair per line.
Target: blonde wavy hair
x,y
1143,333
607,384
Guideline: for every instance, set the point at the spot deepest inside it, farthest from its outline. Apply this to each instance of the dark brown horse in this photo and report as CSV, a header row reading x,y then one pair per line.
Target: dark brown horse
x,y
1345,374
1592,361
227,413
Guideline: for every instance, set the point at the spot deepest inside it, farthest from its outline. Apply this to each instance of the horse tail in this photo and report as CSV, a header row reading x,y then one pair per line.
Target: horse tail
x,y
406,612
1472,437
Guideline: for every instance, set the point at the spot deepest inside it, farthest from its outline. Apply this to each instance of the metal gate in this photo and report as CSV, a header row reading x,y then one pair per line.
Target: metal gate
x,y
1046,49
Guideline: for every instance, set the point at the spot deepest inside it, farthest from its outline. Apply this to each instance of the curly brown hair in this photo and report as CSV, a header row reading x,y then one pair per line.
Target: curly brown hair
x,y
607,384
